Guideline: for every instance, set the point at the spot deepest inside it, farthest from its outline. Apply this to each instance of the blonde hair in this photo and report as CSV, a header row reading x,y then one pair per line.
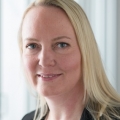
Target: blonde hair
x,y
100,97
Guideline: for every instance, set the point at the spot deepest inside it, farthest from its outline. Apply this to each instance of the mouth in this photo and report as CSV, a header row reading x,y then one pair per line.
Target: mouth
x,y
48,77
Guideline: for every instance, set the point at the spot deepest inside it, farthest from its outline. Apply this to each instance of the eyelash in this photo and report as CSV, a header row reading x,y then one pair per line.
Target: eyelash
x,y
62,43
29,45
59,45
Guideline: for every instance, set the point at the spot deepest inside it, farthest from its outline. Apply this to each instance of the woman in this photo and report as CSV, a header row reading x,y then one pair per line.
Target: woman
x,y
62,63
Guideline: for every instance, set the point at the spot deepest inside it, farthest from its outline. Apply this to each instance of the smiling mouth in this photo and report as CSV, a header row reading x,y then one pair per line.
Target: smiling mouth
x,y
48,76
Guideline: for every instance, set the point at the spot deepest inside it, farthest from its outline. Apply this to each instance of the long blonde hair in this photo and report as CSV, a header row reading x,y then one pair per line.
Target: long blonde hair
x,y
100,97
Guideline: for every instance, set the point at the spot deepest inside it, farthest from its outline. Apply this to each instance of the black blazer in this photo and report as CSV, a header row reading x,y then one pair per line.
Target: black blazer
x,y
85,116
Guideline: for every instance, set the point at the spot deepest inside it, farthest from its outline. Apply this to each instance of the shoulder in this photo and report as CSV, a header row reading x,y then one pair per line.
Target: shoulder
x,y
86,115
113,113
29,116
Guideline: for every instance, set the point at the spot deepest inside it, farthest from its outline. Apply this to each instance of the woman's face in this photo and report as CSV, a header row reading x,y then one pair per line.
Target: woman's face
x,y
51,56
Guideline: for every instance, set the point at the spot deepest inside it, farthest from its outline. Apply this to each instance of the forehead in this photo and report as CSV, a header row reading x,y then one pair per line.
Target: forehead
x,y
48,19
46,13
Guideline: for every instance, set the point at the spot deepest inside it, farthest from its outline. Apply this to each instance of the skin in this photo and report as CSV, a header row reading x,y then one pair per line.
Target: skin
x,y
52,61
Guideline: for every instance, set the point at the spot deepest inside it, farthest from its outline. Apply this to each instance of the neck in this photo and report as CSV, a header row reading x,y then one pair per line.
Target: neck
x,y
66,106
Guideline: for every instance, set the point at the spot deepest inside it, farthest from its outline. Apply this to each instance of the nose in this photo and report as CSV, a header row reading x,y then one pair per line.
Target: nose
x,y
46,57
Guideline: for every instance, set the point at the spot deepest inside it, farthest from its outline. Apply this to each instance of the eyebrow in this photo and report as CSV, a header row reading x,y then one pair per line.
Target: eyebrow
x,y
31,39
54,39
60,37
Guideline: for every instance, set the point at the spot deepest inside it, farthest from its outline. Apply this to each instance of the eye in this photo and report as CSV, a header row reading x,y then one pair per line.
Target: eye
x,y
62,45
31,46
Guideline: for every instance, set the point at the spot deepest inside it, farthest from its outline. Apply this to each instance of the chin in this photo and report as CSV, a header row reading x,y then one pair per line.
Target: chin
x,y
48,93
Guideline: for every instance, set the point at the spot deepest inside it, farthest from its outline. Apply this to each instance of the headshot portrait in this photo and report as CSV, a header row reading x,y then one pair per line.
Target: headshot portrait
x,y
62,64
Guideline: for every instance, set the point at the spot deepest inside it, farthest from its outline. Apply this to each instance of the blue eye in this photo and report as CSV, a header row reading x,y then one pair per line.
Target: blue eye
x,y
62,45
31,46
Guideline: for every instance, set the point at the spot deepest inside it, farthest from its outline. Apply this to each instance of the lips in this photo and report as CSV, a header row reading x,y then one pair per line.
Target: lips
x,y
48,76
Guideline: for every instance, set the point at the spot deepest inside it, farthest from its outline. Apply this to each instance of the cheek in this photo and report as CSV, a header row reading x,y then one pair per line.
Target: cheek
x,y
29,69
28,63
71,63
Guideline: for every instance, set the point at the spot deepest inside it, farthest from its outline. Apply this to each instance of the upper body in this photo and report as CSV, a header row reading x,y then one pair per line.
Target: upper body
x,y
62,63
85,116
